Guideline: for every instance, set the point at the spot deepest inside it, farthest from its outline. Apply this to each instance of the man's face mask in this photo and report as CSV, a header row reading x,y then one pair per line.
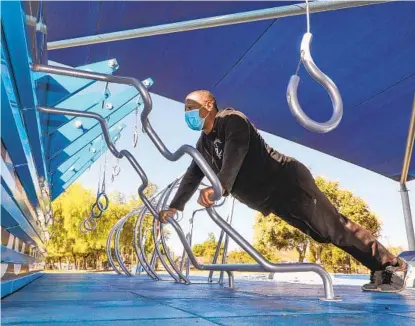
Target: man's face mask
x,y
193,119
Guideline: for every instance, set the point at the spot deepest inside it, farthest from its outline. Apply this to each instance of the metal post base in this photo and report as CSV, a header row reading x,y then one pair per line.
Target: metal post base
x,y
335,299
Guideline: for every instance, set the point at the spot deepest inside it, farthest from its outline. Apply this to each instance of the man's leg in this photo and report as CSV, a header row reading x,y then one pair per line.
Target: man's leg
x,y
308,209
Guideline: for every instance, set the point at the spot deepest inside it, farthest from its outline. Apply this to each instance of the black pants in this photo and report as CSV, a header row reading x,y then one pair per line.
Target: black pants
x,y
301,204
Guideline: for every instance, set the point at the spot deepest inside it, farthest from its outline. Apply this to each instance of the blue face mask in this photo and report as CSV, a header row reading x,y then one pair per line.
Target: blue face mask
x,y
193,120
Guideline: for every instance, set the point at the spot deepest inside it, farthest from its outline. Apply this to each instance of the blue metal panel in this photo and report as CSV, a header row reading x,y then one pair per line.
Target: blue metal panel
x,y
11,256
68,134
13,24
248,66
86,151
124,103
7,221
8,287
14,134
60,88
14,192
10,212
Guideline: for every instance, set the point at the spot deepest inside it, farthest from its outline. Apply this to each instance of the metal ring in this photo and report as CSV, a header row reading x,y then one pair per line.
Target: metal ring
x,y
81,228
102,207
93,213
92,224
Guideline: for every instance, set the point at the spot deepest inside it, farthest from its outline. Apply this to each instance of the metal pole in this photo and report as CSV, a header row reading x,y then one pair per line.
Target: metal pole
x,y
409,227
408,217
224,20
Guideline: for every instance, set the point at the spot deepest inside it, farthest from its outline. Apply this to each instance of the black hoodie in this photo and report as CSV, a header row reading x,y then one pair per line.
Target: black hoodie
x,y
246,166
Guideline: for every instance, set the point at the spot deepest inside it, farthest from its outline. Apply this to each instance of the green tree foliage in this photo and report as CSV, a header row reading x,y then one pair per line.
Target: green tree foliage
x,y
207,248
239,257
272,233
87,250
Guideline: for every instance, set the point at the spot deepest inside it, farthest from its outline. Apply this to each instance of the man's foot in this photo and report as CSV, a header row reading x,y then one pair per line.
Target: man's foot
x,y
375,281
394,277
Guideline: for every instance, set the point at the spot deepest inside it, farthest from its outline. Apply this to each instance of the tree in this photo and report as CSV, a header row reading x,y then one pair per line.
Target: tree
x,y
207,248
239,257
273,233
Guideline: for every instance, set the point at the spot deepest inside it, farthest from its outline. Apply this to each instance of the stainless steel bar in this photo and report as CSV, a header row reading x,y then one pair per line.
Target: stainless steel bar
x,y
406,207
157,238
117,245
138,251
149,265
170,188
225,247
224,20
108,248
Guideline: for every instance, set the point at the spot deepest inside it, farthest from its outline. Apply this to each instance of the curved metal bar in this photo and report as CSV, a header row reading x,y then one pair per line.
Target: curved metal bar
x,y
157,238
117,243
108,249
117,248
162,238
139,244
323,80
150,270
148,104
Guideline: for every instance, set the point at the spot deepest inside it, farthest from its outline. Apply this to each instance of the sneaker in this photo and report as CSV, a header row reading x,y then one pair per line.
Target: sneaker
x,y
375,281
394,277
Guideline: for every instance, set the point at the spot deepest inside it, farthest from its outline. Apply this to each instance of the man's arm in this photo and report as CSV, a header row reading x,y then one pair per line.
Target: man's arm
x,y
237,136
188,185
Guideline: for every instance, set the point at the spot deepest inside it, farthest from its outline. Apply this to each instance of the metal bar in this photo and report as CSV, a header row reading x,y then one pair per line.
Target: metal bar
x,y
117,244
223,20
169,191
407,214
108,247
139,244
264,265
409,226
225,249
409,146
140,240
159,236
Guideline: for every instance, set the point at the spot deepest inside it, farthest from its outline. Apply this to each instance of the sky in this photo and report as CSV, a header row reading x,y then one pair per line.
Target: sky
x,y
167,118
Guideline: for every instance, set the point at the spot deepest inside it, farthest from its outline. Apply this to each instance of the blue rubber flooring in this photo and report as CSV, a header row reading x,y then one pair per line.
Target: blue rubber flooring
x,y
109,299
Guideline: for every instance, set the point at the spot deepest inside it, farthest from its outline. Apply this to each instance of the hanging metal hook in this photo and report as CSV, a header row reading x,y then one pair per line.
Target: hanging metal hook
x,y
320,77
325,81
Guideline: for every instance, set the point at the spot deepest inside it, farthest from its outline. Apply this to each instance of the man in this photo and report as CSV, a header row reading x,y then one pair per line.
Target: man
x,y
270,182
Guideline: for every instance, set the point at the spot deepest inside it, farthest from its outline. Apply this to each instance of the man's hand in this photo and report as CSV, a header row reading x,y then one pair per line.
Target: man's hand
x,y
166,214
205,197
